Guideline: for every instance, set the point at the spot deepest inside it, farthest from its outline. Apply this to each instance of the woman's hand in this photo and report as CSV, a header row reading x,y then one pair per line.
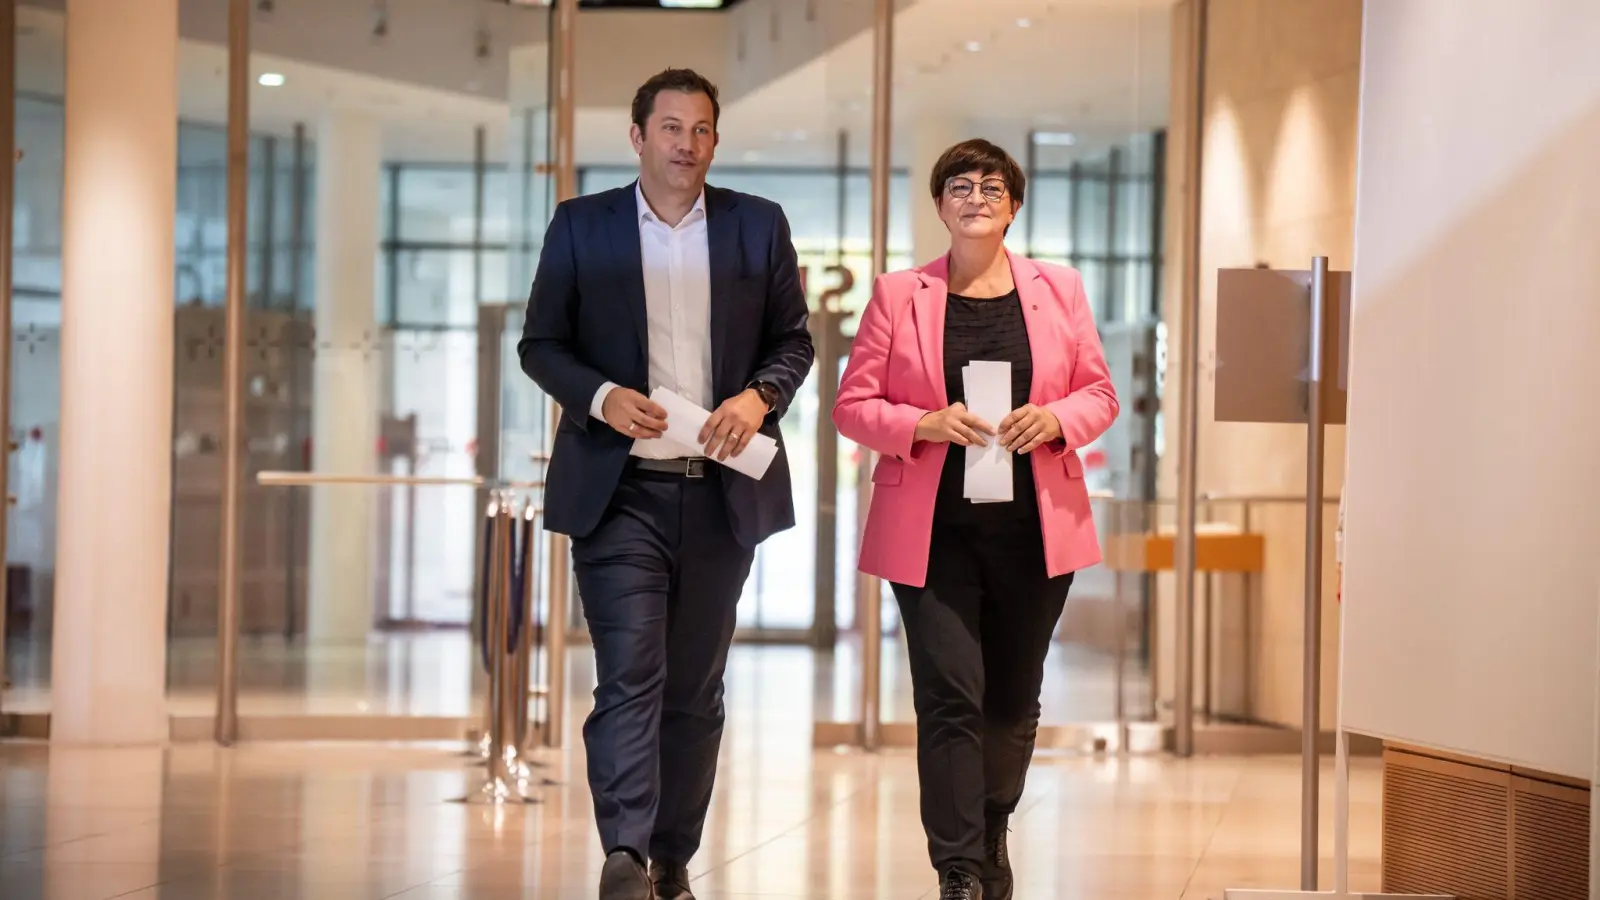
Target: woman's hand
x,y
955,425
1027,427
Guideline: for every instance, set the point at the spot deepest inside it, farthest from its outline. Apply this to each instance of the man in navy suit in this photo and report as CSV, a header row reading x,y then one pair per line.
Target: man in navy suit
x,y
667,283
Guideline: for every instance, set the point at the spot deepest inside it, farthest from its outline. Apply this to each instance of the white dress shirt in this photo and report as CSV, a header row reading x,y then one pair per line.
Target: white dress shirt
x,y
677,297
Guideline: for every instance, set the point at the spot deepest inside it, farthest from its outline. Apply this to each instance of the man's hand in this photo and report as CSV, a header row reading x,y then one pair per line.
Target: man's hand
x,y
1028,427
733,424
633,414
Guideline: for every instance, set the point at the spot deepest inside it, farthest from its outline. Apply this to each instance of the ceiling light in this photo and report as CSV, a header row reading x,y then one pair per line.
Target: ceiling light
x,y
270,79
1055,138
973,46
1024,23
692,4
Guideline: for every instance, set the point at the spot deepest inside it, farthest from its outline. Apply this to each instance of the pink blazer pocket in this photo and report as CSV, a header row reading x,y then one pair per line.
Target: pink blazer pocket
x,y
888,471
1073,464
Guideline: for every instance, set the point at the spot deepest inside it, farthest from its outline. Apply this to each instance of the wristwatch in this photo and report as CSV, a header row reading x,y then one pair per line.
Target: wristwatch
x,y
767,393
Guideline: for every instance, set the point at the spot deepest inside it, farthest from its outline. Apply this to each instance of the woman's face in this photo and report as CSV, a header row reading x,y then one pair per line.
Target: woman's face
x,y
976,206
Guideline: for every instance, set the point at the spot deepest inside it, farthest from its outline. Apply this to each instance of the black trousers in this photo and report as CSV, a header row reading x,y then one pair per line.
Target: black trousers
x,y
660,580
977,635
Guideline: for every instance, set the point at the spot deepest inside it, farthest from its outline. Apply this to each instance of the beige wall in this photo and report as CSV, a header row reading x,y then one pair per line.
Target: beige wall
x,y
1277,186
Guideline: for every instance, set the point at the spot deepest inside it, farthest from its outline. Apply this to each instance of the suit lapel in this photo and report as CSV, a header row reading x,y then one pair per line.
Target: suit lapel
x,y
629,256
722,240
928,305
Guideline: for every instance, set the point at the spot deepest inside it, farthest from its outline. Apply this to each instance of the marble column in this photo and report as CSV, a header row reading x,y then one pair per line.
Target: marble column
x,y
347,380
119,200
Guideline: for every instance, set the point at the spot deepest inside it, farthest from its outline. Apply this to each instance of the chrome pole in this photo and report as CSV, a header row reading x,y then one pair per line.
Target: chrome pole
x,y
1119,630
869,598
227,721
1189,395
505,783
559,573
1311,712
8,160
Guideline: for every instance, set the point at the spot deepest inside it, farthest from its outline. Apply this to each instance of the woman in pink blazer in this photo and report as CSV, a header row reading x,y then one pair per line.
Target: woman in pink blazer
x,y
980,585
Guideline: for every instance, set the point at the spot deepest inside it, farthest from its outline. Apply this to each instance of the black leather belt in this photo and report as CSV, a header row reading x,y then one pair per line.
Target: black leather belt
x,y
687,467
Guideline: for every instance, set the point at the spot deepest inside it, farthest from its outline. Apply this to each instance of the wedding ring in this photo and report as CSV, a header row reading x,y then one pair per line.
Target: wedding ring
x,y
633,426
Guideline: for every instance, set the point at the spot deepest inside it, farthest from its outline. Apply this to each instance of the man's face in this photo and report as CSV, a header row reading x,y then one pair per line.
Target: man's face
x,y
678,141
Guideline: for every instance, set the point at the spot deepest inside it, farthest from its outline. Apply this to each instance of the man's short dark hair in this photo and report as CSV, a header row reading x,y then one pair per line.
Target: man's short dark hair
x,y
686,81
978,155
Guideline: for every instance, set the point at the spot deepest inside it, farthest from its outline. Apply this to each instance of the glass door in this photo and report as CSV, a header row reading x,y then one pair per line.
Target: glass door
x,y
396,242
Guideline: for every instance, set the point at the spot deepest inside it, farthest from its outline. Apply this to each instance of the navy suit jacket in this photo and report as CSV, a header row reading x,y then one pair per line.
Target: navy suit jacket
x,y
586,325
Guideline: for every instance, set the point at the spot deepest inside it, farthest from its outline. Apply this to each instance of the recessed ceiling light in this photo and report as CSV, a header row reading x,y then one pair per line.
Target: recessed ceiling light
x,y
270,79
973,46
1024,23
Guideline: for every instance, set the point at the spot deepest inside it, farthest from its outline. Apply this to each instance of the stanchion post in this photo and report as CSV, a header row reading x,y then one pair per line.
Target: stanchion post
x,y
504,784
499,627
526,553
1119,630
869,613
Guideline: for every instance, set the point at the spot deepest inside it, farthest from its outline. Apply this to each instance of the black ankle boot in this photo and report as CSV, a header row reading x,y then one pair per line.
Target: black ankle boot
x,y
959,885
997,879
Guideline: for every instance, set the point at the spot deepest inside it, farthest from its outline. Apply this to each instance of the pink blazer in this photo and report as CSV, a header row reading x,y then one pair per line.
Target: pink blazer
x,y
896,376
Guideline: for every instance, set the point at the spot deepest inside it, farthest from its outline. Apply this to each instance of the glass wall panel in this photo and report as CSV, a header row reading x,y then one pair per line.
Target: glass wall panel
x,y
359,599
35,391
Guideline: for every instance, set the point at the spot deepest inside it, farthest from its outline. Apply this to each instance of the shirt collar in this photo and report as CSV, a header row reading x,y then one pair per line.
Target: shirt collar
x,y
646,214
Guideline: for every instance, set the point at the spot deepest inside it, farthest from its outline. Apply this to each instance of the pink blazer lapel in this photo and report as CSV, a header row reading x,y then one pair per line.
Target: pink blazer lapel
x,y
1038,312
928,305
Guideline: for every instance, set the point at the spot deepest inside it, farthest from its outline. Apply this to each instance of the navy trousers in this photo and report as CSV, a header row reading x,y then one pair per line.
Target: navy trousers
x,y
660,580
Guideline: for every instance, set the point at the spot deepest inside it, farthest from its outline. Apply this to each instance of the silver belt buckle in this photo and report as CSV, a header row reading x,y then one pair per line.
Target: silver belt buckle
x,y
694,468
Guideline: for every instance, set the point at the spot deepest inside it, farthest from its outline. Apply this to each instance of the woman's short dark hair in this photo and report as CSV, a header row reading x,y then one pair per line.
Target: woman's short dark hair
x,y
978,155
686,81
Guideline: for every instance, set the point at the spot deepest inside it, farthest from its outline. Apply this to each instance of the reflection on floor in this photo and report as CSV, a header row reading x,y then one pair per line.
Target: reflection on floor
x,y
346,822
340,821
431,674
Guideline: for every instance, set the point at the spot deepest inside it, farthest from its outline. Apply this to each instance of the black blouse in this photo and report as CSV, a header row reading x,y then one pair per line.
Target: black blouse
x,y
986,330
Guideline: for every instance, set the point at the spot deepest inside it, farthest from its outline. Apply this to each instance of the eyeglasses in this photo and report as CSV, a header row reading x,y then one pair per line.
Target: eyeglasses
x,y
993,189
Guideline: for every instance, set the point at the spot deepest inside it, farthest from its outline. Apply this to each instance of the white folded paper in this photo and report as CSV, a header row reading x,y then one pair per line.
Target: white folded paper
x,y
988,389
684,421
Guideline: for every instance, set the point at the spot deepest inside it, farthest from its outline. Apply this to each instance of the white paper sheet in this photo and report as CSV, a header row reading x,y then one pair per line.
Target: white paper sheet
x,y
684,421
988,389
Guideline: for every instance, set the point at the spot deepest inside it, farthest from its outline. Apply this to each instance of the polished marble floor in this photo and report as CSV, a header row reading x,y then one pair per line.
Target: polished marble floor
x,y
357,821
336,821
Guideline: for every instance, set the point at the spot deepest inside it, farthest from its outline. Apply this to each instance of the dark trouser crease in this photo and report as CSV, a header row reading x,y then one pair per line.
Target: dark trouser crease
x,y
660,580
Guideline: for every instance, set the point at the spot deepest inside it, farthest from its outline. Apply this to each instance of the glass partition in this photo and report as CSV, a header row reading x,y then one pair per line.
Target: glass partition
x,y
35,354
382,253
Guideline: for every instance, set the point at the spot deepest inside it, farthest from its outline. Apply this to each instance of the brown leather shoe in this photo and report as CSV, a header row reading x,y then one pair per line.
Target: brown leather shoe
x,y
671,881
623,878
